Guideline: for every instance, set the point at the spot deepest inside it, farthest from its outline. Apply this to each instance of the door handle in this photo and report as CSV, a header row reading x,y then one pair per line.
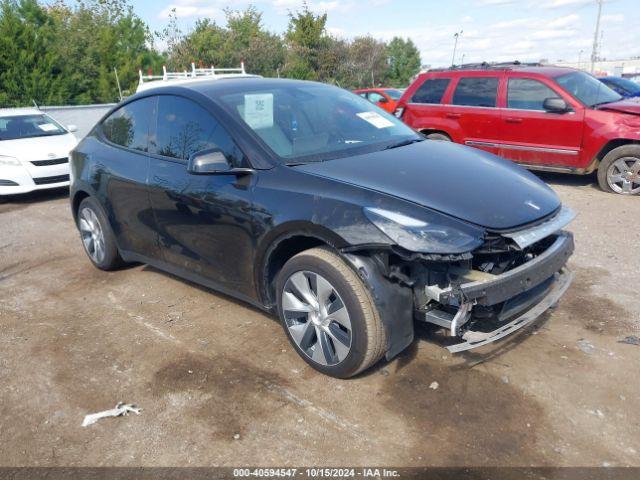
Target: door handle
x,y
453,115
513,120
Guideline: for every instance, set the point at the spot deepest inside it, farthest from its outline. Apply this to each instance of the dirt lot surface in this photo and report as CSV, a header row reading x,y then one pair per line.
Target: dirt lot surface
x,y
220,385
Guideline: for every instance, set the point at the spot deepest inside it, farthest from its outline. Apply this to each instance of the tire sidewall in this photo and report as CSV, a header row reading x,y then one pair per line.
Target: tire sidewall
x,y
438,137
355,358
111,257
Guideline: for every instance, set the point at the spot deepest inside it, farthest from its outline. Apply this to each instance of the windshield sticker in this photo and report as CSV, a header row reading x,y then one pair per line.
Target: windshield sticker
x,y
375,119
258,110
48,127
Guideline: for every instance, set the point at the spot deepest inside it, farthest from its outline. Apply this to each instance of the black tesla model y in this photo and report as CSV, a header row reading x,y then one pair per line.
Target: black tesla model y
x,y
313,204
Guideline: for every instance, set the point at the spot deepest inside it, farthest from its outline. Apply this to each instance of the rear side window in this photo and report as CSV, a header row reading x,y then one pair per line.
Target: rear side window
x,y
431,91
528,94
476,92
184,128
375,97
129,125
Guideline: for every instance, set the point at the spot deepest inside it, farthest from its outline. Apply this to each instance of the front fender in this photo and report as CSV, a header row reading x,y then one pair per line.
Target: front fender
x,y
394,303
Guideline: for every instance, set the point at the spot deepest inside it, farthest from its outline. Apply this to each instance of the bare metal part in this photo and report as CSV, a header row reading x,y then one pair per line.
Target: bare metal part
x,y
529,236
475,339
461,317
434,292
438,317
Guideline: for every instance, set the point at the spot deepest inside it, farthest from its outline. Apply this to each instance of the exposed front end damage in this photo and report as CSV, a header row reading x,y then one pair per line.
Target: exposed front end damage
x,y
478,297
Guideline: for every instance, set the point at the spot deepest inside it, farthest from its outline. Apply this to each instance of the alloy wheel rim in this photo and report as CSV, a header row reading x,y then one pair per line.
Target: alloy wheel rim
x,y
92,236
317,318
623,176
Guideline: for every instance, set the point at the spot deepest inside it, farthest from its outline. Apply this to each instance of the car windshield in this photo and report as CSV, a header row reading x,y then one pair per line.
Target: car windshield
x,y
28,126
586,88
394,94
628,86
309,122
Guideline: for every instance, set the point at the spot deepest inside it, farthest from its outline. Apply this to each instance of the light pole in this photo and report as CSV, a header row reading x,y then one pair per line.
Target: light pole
x,y
594,51
455,45
580,59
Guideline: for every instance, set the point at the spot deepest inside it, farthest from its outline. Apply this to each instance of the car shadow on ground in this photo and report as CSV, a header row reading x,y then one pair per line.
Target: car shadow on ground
x,y
470,359
202,288
18,202
569,180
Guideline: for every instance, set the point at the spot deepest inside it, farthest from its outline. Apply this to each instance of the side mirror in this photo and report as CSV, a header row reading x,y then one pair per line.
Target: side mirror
x,y
213,162
555,105
72,128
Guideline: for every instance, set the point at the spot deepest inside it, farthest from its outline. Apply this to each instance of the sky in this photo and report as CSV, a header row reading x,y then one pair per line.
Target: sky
x,y
492,30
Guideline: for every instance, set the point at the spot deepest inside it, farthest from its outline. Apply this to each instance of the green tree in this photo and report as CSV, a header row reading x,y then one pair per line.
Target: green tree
x,y
243,39
97,37
306,37
369,60
66,52
29,70
404,61
247,40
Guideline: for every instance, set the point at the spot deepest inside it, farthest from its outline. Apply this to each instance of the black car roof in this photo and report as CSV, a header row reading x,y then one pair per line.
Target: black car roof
x,y
214,88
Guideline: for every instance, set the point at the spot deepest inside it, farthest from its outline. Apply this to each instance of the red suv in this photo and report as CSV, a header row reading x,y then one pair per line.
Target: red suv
x,y
545,118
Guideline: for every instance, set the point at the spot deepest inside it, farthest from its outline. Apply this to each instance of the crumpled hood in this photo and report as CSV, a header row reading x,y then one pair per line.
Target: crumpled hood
x,y
39,148
462,182
629,105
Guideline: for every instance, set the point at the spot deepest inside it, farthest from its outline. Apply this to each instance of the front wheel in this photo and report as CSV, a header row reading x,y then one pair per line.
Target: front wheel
x,y
619,171
328,314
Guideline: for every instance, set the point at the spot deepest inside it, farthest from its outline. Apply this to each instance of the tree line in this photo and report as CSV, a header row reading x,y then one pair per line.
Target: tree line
x,y
70,53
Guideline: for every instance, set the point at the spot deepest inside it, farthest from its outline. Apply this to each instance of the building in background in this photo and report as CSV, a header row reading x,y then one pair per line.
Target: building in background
x,y
605,68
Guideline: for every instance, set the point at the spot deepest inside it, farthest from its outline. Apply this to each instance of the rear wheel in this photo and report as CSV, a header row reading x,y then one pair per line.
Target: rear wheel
x,y
619,171
441,137
328,314
97,237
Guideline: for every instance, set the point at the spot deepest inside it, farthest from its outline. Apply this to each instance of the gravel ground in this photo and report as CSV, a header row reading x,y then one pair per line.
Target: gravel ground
x,y
220,385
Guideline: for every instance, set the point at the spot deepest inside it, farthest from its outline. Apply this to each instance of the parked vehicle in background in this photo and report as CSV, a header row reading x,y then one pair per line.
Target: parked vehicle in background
x,y
146,82
34,151
385,98
623,86
310,202
545,118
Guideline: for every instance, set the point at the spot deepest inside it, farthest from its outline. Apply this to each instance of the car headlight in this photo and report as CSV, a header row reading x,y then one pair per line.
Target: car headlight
x,y
6,161
440,234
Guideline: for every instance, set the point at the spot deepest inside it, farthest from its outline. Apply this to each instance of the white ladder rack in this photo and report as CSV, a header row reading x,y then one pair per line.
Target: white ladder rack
x,y
194,73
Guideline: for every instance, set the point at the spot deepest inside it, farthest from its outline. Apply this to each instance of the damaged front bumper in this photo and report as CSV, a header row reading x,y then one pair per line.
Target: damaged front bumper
x,y
506,302
473,339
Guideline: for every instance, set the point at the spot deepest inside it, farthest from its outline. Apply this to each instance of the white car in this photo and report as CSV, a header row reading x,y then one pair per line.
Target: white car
x,y
34,151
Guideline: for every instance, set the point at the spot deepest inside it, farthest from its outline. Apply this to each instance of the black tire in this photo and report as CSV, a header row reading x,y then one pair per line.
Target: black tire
x,y
440,137
111,258
368,338
625,151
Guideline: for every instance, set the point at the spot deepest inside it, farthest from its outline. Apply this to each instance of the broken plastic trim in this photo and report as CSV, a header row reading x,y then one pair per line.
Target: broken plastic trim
x,y
511,283
407,255
475,339
529,236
